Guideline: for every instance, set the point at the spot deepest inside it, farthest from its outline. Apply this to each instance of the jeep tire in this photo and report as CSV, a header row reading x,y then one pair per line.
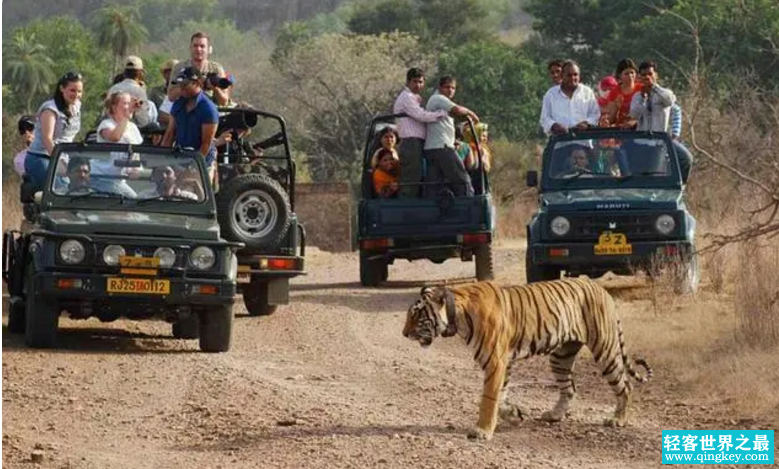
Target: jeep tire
x,y
483,257
216,328
539,273
255,210
687,275
255,298
16,312
187,327
41,316
372,271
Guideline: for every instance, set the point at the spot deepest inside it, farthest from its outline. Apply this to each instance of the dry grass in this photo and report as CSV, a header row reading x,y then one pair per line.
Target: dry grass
x,y
12,209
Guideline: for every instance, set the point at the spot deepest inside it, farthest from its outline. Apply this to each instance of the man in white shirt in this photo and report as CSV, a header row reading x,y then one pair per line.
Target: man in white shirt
x,y
569,104
412,131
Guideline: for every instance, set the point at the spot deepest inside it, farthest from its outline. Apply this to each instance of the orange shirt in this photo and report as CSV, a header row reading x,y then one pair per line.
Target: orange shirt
x,y
624,109
381,179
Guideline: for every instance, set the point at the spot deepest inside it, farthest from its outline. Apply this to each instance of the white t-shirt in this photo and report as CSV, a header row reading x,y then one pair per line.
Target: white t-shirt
x,y
131,135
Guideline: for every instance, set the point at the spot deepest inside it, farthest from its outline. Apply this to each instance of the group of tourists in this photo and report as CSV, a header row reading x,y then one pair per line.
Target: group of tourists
x,y
186,105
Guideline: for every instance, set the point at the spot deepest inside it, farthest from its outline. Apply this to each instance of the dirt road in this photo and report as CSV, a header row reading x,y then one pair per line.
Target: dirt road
x,y
328,381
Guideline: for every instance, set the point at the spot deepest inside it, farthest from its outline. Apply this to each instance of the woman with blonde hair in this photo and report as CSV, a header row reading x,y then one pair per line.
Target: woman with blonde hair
x,y
116,128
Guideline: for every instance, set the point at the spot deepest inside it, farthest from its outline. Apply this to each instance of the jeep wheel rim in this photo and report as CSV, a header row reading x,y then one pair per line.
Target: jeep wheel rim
x,y
254,214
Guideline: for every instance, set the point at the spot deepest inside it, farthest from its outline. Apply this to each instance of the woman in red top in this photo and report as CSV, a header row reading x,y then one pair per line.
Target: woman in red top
x,y
617,109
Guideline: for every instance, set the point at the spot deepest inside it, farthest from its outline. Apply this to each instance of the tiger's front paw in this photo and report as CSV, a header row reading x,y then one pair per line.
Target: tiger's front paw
x,y
477,433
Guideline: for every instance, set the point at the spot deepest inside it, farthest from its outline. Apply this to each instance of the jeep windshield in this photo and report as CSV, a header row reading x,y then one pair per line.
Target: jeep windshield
x,y
130,175
601,159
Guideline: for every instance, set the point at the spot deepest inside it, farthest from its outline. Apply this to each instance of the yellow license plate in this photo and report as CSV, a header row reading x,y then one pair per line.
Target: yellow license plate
x,y
142,262
143,286
612,244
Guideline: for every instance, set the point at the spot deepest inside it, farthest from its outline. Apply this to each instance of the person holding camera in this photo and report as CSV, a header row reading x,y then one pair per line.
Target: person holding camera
x,y
26,126
193,118
200,49
145,112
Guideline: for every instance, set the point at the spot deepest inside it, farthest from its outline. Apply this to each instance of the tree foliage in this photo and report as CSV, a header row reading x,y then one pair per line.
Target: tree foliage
x,y
341,82
119,29
500,83
438,23
27,67
160,17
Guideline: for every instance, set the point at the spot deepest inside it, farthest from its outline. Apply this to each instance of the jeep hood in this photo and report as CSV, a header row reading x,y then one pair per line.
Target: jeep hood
x,y
130,223
613,199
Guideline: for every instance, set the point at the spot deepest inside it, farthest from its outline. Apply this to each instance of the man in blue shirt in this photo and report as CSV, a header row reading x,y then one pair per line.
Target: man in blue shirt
x,y
193,118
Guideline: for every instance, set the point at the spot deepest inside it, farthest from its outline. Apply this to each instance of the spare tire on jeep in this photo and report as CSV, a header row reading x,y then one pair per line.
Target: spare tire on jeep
x,y
254,209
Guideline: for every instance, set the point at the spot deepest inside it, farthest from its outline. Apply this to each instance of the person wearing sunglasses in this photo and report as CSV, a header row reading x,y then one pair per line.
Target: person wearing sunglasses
x,y
58,121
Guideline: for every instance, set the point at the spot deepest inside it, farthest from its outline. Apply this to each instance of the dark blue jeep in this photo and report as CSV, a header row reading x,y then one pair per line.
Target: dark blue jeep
x,y
610,200
437,225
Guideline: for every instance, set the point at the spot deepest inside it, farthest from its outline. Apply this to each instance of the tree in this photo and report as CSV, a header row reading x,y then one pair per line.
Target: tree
x,y
437,23
119,29
340,82
27,67
160,17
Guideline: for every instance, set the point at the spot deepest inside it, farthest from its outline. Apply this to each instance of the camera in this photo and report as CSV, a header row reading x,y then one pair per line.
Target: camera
x,y
219,82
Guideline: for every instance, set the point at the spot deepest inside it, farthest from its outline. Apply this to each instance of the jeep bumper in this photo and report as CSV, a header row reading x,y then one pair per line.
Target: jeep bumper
x,y
581,256
86,287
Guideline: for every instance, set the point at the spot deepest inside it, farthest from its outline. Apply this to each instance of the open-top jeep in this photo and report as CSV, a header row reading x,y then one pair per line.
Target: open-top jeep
x,y
256,206
122,231
611,200
437,227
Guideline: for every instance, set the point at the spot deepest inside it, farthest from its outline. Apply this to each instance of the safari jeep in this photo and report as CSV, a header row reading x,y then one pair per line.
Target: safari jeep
x,y
256,206
437,227
122,231
611,200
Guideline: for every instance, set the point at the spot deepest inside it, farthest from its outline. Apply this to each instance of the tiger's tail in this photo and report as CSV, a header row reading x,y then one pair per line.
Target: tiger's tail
x,y
630,363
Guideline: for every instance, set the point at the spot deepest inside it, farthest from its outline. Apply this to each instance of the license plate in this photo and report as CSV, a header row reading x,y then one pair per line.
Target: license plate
x,y
143,286
610,244
143,262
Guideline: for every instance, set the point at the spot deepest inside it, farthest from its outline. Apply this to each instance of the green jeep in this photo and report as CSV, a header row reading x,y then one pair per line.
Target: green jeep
x,y
611,200
122,231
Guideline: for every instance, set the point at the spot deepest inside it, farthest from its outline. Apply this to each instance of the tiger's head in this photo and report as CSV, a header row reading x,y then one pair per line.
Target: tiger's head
x,y
428,317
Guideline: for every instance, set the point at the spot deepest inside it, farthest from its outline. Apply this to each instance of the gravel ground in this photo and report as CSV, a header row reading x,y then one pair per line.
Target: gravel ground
x,y
327,381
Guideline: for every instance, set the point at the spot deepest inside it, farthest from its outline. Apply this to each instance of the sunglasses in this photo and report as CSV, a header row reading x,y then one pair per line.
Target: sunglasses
x,y
71,76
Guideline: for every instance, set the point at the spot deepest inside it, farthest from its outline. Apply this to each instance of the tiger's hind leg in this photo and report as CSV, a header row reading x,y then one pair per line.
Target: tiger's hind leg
x,y
613,370
563,360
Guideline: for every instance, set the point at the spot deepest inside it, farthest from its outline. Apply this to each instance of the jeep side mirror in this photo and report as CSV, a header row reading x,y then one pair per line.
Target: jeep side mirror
x,y
532,179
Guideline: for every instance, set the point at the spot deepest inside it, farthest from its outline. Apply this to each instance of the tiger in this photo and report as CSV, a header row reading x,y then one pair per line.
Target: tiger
x,y
504,324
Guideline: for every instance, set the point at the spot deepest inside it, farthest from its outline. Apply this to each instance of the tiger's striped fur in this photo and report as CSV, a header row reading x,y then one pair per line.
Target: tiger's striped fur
x,y
503,324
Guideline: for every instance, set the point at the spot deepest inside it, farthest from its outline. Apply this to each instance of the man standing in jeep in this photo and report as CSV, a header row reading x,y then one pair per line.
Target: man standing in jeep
x,y
412,132
569,104
200,49
193,119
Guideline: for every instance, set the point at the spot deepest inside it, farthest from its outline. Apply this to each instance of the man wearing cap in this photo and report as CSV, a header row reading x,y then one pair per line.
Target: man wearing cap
x,y
146,111
26,126
193,118
158,93
200,49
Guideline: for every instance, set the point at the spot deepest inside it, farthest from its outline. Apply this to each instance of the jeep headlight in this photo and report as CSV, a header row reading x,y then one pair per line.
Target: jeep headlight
x,y
167,257
112,253
665,224
560,226
72,251
202,258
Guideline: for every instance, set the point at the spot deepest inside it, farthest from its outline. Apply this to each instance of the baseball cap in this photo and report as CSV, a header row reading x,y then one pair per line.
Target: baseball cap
x,y
607,83
133,62
26,123
187,75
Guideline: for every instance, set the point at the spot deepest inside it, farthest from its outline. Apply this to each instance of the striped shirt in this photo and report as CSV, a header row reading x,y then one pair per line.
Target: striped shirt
x,y
414,125
676,121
